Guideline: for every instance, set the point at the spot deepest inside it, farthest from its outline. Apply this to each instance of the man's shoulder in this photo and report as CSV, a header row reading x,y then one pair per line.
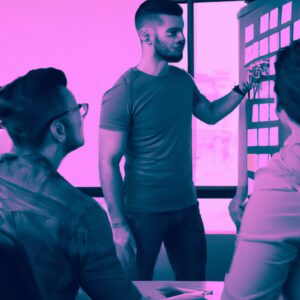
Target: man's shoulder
x,y
124,81
71,197
179,72
182,76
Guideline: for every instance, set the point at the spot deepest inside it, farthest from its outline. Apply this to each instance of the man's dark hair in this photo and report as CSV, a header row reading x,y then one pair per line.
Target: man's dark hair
x,y
287,81
150,9
26,103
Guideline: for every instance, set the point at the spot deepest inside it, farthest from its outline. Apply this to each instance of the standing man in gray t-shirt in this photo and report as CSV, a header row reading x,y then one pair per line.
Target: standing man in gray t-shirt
x,y
147,116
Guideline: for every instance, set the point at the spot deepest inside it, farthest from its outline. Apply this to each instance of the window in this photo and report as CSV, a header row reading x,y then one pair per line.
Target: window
x,y
216,71
215,148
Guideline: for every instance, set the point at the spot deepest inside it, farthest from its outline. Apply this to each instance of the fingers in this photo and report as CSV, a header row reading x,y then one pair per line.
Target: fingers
x,y
126,256
246,86
236,216
132,245
134,249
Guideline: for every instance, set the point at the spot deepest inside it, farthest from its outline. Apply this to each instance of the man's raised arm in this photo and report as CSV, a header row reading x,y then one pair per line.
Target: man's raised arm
x,y
213,112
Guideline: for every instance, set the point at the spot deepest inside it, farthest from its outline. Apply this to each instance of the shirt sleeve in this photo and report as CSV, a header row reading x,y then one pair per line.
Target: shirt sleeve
x,y
198,97
101,273
115,109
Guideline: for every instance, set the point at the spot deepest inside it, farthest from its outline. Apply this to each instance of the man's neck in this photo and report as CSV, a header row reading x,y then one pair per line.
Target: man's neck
x,y
153,66
52,155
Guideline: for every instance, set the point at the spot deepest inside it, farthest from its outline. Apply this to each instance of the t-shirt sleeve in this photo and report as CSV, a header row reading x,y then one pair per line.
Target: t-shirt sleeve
x,y
101,273
198,97
115,109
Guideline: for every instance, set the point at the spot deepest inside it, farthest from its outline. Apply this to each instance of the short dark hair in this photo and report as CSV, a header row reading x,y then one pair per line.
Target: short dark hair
x,y
149,10
287,80
25,104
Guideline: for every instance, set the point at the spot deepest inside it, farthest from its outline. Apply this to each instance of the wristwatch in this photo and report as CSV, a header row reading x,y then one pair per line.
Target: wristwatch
x,y
239,91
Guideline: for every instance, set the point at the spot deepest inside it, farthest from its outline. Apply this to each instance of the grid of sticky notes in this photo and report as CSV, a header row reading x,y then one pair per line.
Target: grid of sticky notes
x,y
276,30
263,137
256,161
267,33
263,131
264,108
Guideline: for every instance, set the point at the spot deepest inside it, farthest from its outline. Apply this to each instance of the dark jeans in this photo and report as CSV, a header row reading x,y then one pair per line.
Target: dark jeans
x,y
182,233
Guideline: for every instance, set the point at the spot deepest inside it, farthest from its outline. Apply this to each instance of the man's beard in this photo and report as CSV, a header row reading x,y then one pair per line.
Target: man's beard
x,y
165,53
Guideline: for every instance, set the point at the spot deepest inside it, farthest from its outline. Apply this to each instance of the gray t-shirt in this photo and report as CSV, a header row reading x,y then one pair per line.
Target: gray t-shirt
x,y
156,111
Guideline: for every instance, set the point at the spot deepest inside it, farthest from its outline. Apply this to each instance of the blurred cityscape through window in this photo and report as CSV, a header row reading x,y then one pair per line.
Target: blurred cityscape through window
x,y
216,59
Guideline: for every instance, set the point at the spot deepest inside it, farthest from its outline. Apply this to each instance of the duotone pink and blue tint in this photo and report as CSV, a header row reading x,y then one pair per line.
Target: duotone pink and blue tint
x,y
96,42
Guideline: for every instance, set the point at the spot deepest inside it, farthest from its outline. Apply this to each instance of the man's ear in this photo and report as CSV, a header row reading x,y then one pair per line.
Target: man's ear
x,y
146,35
58,131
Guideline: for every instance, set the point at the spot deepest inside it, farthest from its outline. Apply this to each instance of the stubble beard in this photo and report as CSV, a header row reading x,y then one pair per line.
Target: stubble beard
x,y
163,51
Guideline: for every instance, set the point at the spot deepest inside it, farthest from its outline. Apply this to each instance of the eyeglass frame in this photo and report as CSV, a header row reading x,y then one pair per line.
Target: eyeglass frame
x,y
73,109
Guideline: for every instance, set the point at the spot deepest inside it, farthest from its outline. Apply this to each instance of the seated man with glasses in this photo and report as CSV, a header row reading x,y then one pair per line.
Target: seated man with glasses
x,y
65,234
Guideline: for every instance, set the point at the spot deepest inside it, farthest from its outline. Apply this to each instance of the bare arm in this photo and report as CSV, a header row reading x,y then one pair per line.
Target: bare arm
x,y
111,149
213,112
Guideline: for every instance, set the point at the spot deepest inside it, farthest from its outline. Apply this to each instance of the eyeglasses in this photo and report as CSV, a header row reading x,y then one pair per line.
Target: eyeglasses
x,y
83,108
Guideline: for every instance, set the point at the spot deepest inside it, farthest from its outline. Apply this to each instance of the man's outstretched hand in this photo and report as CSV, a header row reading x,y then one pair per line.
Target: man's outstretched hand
x,y
245,86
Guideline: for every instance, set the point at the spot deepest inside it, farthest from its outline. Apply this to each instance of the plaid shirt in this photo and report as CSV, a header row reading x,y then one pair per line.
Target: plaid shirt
x,y
66,235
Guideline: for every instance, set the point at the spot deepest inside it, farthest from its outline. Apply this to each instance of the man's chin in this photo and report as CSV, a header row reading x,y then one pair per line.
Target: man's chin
x,y
175,59
74,146
80,144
